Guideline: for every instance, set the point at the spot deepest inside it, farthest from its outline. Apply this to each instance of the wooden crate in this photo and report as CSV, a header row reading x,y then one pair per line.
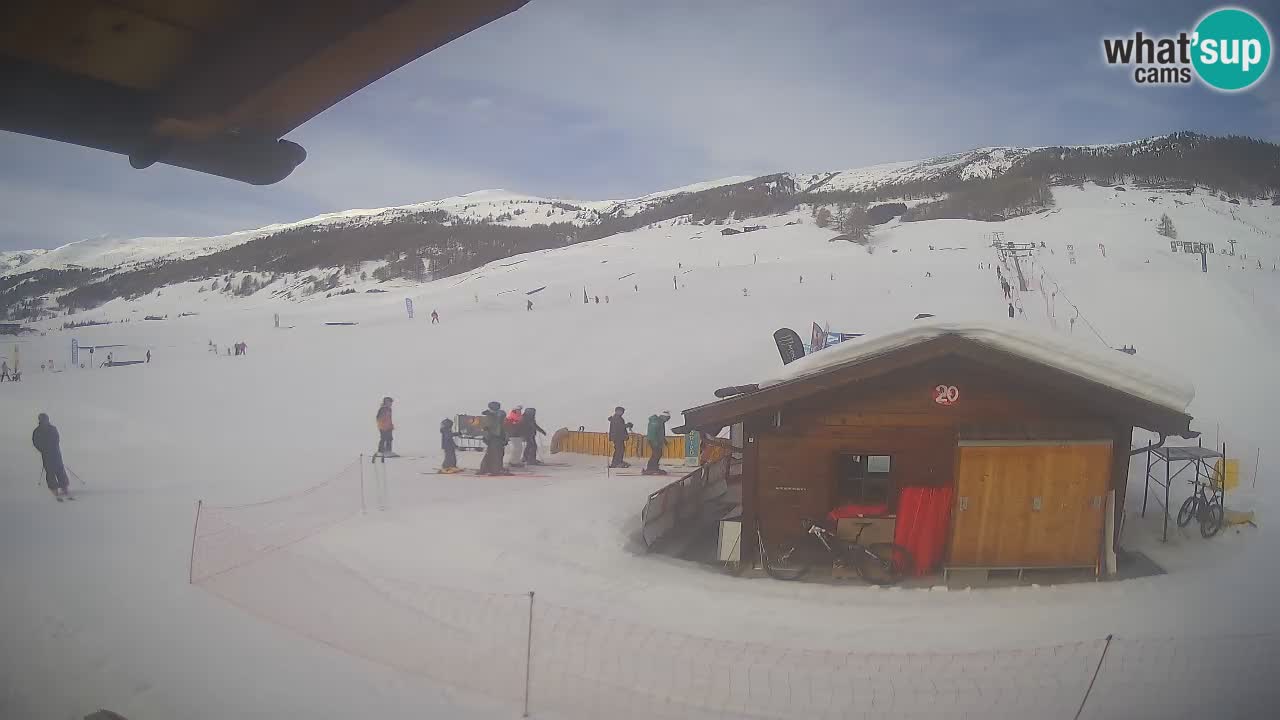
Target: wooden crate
x,y
880,529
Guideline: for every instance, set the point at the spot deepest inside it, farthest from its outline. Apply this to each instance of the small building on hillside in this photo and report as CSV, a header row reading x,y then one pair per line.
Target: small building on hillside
x,y
752,228
730,231
1019,442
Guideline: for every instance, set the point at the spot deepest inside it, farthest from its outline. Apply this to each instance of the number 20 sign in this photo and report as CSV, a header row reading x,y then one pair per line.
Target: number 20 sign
x,y
946,394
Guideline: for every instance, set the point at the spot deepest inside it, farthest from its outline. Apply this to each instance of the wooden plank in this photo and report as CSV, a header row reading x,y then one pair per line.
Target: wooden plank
x,y
998,485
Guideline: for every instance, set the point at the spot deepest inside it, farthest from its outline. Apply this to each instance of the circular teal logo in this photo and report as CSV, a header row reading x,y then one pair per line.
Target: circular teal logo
x,y
1232,49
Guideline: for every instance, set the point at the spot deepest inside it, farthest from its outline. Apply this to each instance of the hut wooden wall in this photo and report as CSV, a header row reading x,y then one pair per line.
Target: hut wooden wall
x,y
897,415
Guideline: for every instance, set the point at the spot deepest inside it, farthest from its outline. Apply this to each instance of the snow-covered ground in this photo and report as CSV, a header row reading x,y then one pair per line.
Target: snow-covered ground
x,y
379,614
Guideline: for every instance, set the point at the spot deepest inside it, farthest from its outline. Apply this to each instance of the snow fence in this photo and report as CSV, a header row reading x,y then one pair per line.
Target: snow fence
x,y
555,661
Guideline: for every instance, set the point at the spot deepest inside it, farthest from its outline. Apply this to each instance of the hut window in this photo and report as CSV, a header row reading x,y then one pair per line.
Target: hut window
x,y
863,479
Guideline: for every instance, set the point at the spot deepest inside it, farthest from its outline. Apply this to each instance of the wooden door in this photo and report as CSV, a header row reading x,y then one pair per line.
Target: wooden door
x,y
1024,505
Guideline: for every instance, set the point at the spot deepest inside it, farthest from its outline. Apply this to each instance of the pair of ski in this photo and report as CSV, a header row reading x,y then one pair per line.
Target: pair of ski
x,y
473,473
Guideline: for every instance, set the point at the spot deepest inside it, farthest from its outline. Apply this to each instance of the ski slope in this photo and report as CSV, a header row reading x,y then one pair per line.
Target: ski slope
x,y
95,609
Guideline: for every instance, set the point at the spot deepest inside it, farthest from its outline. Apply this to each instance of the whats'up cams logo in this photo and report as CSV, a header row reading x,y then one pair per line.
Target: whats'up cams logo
x,y
1229,50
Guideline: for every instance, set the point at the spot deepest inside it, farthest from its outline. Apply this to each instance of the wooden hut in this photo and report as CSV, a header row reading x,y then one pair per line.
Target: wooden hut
x,y
1027,436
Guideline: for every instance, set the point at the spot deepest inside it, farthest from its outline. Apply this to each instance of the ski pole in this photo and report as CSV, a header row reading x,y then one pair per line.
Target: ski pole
x,y
74,475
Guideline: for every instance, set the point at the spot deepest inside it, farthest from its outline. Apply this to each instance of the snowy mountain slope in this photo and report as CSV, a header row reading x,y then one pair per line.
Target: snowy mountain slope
x,y
1237,163
979,163
14,259
672,324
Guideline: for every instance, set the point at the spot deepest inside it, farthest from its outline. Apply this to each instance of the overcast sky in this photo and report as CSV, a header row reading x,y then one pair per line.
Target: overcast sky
x,y
594,99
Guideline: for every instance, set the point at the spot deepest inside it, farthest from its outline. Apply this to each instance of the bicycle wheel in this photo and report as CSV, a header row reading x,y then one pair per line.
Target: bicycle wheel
x,y
1210,520
783,562
1188,510
887,563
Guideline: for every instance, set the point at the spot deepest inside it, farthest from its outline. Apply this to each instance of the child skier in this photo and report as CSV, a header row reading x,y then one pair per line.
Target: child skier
x,y
515,455
447,434
385,426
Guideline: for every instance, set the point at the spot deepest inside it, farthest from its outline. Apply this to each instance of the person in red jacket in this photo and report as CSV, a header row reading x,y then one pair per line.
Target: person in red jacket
x,y
515,450
385,426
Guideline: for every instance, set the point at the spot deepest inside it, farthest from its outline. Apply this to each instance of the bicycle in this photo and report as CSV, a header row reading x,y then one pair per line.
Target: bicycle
x,y
881,563
1206,510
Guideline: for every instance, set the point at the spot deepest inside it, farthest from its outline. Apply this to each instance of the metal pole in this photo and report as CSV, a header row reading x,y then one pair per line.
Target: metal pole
x,y
1221,491
1256,459
1146,483
1095,677
191,563
1167,482
528,656
362,507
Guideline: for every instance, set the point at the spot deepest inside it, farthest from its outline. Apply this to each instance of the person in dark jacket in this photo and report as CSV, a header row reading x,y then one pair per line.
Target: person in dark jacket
x,y
45,439
657,436
495,439
1011,310
447,434
619,428
529,428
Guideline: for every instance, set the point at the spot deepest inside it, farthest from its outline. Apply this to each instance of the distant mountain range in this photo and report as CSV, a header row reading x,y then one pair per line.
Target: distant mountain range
x,y
443,237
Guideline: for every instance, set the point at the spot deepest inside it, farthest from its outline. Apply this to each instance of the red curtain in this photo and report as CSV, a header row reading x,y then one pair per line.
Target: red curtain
x,y
924,517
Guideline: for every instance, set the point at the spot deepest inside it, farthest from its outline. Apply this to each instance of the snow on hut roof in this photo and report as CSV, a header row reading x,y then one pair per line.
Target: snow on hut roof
x,y
1120,371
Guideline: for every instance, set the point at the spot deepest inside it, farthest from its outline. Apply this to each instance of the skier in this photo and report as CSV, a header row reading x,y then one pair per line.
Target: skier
x,y
4,370
618,430
385,427
745,293
45,439
637,287
435,317
528,305
801,279
1011,311
529,429
148,356
928,274
597,299
606,298
447,434
657,437
495,438
515,438
674,286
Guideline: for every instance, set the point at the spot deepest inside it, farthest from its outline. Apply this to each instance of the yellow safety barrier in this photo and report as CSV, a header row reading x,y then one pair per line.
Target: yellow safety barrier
x,y
598,443
1230,480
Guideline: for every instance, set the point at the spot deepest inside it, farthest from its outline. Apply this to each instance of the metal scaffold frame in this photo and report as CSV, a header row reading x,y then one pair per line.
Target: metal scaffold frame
x,y
1191,456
